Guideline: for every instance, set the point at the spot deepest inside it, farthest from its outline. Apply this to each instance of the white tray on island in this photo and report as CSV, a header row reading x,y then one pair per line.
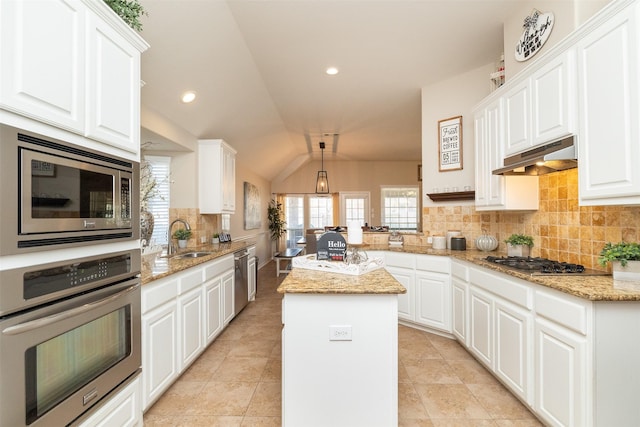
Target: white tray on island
x,y
310,262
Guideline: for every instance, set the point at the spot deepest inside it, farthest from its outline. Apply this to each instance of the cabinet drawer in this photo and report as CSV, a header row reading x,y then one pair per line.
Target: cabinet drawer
x,y
395,259
217,267
158,292
562,309
436,264
460,271
190,280
503,286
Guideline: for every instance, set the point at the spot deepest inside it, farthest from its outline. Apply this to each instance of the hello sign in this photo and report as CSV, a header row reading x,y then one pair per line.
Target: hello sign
x,y
331,246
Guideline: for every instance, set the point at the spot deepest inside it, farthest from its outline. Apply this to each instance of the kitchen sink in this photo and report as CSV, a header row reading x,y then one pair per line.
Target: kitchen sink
x,y
189,255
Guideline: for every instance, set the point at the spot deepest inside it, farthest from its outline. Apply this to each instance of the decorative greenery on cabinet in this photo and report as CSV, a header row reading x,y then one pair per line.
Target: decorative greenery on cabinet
x,y
129,10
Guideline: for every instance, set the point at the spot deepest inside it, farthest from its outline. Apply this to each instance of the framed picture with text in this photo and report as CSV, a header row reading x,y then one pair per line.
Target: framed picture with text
x,y
450,144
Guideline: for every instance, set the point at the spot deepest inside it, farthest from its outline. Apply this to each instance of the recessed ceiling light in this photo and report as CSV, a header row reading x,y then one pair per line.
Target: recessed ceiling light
x,y
332,71
188,97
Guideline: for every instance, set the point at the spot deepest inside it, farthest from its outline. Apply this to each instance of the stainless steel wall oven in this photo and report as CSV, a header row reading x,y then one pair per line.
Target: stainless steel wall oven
x,y
56,194
69,336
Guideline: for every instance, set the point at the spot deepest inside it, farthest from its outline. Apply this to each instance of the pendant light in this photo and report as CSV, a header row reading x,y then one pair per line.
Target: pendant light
x,y
322,182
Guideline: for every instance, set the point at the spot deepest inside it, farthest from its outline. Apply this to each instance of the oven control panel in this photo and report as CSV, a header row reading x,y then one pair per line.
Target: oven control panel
x,y
49,280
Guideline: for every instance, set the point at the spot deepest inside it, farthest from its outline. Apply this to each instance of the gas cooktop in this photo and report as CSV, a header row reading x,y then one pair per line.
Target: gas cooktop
x,y
543,266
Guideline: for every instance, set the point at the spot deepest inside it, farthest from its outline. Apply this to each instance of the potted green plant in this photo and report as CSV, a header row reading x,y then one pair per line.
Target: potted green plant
x,y
624,258
216,238
276,222
519,245
182,235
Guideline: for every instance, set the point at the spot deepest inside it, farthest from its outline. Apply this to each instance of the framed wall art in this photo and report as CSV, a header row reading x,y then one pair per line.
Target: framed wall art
x,y
450,144
252,217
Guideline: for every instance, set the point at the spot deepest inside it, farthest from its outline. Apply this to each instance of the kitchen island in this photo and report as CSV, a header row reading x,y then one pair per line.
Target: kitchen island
x,y
340,349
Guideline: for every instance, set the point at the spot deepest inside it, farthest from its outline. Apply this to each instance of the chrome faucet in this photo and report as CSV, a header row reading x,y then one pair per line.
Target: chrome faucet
x,y
171,249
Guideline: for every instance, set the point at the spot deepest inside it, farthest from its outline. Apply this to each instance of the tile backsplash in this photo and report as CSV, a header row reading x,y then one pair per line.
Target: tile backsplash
x,y
561,229
203,226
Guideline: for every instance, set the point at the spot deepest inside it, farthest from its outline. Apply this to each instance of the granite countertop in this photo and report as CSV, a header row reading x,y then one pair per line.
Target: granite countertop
x,y
593,288
303,281
157,267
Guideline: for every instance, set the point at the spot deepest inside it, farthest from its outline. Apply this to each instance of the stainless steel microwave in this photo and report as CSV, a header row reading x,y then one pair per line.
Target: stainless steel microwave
x,y
57,194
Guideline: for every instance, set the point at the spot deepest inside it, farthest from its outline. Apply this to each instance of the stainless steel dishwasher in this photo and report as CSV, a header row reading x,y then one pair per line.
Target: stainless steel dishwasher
x,y
241,283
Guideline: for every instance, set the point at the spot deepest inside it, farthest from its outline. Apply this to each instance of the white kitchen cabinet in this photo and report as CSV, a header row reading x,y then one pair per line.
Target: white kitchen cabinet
x,y
560,375
406,277
513,337
433,292
251,274
459,300
553,100
495,192
228,297
216,177
43,56
75,65
541,108
213,312
609,94
481,326
181,315
192,324
402,268
113,87
160,342
122,410
517,118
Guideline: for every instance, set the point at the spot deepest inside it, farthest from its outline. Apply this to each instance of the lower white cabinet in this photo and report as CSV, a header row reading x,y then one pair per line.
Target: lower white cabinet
x,y
192,324
159,351
427,301
481,329
122,410
228,310
251,273
433,300
560,374
459,321
181,315
406,277
212,311
512,359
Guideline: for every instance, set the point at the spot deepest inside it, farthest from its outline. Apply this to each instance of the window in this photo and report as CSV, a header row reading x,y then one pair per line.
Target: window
x,y
354,206
400,207
320,212
302,212
294,217
158,204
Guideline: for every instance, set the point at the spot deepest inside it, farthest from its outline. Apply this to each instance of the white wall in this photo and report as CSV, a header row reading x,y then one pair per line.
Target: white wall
x,y
568,16
453,97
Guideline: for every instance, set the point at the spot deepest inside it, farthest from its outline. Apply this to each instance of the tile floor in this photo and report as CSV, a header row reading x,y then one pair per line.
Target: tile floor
x,y
236,381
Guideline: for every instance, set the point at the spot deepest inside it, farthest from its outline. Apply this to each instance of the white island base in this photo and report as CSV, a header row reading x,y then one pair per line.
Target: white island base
x,y
340,360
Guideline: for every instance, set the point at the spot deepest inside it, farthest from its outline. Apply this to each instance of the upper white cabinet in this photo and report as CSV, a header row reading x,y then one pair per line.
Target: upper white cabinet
x,y
517,118
553,100
113,90
217,177
74,65
42,61
541,108
495,192
609,93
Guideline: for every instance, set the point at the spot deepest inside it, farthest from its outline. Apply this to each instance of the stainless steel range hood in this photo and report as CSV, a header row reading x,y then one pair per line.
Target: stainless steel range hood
x,y
552,157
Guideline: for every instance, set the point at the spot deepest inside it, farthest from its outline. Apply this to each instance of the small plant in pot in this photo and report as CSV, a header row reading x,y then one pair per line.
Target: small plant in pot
x,y
182,235
519,245
624,258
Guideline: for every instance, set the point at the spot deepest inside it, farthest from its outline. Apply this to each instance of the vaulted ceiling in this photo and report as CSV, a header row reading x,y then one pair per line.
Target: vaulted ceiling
x,y
258,68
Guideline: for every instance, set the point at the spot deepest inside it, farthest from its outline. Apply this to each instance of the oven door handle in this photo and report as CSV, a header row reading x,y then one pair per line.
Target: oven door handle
x,y
48,320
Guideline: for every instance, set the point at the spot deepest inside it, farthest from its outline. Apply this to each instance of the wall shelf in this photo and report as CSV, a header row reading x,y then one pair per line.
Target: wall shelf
x,y
458,195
